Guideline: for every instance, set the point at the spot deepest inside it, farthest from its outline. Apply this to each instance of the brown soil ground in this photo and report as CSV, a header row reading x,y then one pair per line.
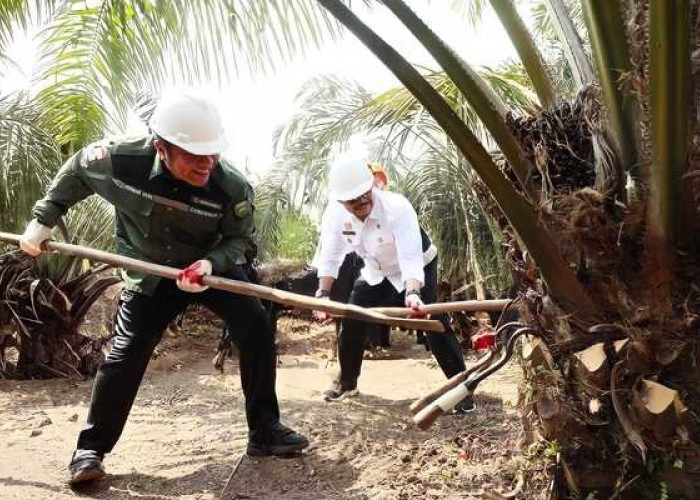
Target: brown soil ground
x,y
187,430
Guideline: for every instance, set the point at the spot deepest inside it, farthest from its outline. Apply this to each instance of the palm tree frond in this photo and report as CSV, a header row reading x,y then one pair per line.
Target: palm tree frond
x,y
19,15
91,223
97,57
471,10
28,155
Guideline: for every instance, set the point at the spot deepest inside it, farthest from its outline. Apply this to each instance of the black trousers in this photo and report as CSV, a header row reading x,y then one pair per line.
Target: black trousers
x,y
351,338
377,335
141,320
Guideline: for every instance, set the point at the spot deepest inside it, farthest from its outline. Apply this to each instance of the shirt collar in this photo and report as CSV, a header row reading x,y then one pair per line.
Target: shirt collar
x,y
377,206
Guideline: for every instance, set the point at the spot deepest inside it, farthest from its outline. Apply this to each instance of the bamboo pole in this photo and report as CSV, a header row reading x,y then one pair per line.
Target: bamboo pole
x,y
240,287
446,307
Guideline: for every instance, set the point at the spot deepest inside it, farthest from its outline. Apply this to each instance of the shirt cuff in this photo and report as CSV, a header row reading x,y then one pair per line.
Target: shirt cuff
x,y
327,270
413,271
47,213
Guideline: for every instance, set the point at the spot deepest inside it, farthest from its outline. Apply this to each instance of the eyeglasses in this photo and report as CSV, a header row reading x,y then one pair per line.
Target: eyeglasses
x,y
363,198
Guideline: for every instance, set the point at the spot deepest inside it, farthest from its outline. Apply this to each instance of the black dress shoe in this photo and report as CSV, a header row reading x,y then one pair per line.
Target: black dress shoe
x,y
278,440
86,465
340,390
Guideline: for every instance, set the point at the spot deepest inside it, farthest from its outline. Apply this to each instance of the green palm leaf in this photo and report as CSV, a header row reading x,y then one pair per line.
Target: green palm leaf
x,y
559,24
21,14
332,110
441,187
543,25
329,109
27,157
271,199
97,57
91,223
471,10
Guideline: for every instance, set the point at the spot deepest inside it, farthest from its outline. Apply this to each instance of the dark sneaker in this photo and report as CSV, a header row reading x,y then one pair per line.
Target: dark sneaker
x,y
86,465
278,440
339,391
465,406
422,339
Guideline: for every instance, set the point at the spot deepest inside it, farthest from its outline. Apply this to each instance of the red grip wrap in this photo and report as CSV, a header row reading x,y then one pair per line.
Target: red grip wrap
x,y
191,274
484,339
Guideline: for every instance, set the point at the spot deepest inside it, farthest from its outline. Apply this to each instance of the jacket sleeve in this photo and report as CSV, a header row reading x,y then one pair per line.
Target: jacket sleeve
x,y
71,185
237,229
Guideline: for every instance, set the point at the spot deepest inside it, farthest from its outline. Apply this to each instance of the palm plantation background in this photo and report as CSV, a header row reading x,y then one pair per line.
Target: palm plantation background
x,y
564,178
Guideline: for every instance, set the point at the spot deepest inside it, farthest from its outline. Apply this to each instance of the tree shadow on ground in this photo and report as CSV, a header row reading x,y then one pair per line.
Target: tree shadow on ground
x,y
51,489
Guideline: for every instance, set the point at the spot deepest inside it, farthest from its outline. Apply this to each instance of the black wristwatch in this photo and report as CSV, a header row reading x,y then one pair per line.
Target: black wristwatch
x,y
413,292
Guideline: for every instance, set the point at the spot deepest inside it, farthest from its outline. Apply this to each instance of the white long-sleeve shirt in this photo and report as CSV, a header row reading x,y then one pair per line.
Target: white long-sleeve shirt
x,y
388,240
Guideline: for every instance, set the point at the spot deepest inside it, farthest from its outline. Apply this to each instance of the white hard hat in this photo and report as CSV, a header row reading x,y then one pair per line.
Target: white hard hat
x,y
190,122
349,178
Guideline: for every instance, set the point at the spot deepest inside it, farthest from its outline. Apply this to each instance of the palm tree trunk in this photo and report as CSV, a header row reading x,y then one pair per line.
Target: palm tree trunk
x,y
670,216
557,273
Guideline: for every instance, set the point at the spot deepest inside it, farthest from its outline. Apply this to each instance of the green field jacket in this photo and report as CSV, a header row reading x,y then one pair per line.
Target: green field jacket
x,y
158,218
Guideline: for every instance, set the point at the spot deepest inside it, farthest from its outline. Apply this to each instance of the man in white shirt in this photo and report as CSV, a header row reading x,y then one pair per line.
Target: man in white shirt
x,y
378,336
400,267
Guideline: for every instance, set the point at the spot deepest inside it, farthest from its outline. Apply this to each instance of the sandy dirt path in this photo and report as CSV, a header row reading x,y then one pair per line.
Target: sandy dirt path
x,y
187,430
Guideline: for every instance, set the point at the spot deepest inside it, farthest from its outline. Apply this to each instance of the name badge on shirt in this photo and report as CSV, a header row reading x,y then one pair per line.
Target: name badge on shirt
x,y
206,203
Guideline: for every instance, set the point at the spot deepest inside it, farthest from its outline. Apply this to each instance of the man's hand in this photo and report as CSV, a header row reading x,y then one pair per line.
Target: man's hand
x,y
485,338
414,302
34,235
190,278
322,316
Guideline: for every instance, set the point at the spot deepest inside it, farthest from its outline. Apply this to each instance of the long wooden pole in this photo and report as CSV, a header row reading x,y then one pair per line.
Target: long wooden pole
x,y
240,287
498,305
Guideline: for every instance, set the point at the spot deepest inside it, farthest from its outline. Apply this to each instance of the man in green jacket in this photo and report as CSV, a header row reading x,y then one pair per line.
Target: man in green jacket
x,y
178,204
